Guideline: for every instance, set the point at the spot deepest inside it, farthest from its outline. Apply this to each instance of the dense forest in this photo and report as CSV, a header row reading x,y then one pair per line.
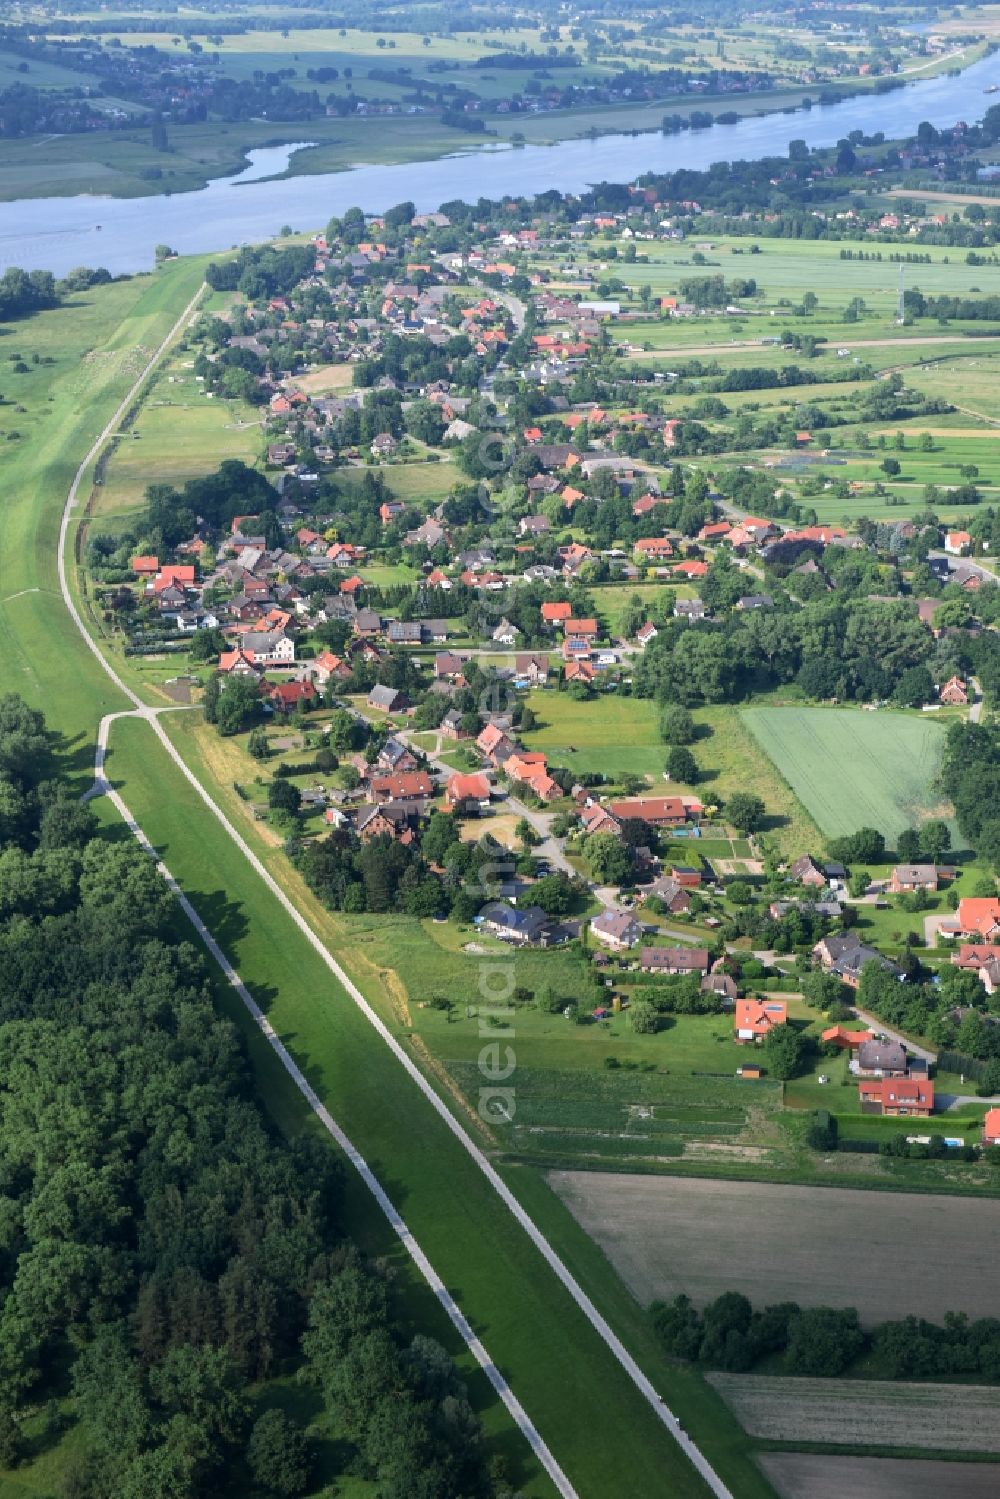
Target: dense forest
x,y
164,1255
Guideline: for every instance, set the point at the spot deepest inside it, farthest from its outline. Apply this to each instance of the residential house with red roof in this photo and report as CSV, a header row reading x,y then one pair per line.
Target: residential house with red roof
x,y
754,1019
897,1097
467,793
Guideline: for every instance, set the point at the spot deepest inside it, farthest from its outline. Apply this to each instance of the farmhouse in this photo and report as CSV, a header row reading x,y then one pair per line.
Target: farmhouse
x,y
955,692
897,1098
754,1019
991,1127
658,811
673,959
616,929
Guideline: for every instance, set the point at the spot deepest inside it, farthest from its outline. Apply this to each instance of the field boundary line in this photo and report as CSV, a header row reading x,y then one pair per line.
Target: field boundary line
x,y
576,1292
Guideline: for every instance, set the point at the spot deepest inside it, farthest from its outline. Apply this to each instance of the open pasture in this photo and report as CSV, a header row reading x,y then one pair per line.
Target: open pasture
x,y
864,1412
179,435
666,1235
854,769
800,1475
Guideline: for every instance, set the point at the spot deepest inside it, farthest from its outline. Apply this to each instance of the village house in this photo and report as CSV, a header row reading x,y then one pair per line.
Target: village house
x,y
954,692
846,956
897,1098
658,811
991,1128
674,960
646,633
913,877
517,926
495,744
754,1019
878,1058
396,820
723,985
673,896
978,916
809,871
270,647
396,756
616,929
847,1040
533,669
467,794
450,726
407,785
386,699
975,955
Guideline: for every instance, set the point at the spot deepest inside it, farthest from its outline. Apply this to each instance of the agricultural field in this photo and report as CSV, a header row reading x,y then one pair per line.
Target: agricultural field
x,y
635,1112
798,1475
665,1235
864,1412
854,769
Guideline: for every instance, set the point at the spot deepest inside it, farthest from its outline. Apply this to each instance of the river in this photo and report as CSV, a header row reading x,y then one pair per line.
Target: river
x,y
58,234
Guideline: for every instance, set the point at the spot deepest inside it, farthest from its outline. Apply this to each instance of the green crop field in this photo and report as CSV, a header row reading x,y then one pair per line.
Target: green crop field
x,y
853,769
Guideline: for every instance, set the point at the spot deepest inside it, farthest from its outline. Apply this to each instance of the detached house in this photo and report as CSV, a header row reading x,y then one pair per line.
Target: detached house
x,y
897,1097
616,929
468,793
754,1019
674,960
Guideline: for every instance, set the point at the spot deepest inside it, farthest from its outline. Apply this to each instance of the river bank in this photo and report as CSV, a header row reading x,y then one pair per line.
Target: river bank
x,y
124,164
59,233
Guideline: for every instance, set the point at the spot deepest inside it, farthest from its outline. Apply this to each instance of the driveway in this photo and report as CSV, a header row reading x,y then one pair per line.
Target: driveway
x,y
881,1029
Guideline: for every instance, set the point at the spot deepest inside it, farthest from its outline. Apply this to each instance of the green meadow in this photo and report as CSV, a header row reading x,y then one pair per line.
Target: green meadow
x,y
852,768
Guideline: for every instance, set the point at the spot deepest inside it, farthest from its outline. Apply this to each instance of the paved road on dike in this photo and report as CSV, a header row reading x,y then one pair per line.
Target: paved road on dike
x,y
583,1302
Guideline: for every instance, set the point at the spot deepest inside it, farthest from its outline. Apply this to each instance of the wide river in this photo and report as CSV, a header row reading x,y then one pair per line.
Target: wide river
x,y
58,234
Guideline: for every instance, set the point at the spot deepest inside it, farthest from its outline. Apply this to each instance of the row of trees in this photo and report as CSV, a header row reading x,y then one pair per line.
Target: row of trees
x,y
826,1341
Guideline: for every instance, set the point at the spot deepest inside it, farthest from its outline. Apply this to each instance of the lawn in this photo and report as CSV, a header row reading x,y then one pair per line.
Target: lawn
x,y
180,434
852,768
611,734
